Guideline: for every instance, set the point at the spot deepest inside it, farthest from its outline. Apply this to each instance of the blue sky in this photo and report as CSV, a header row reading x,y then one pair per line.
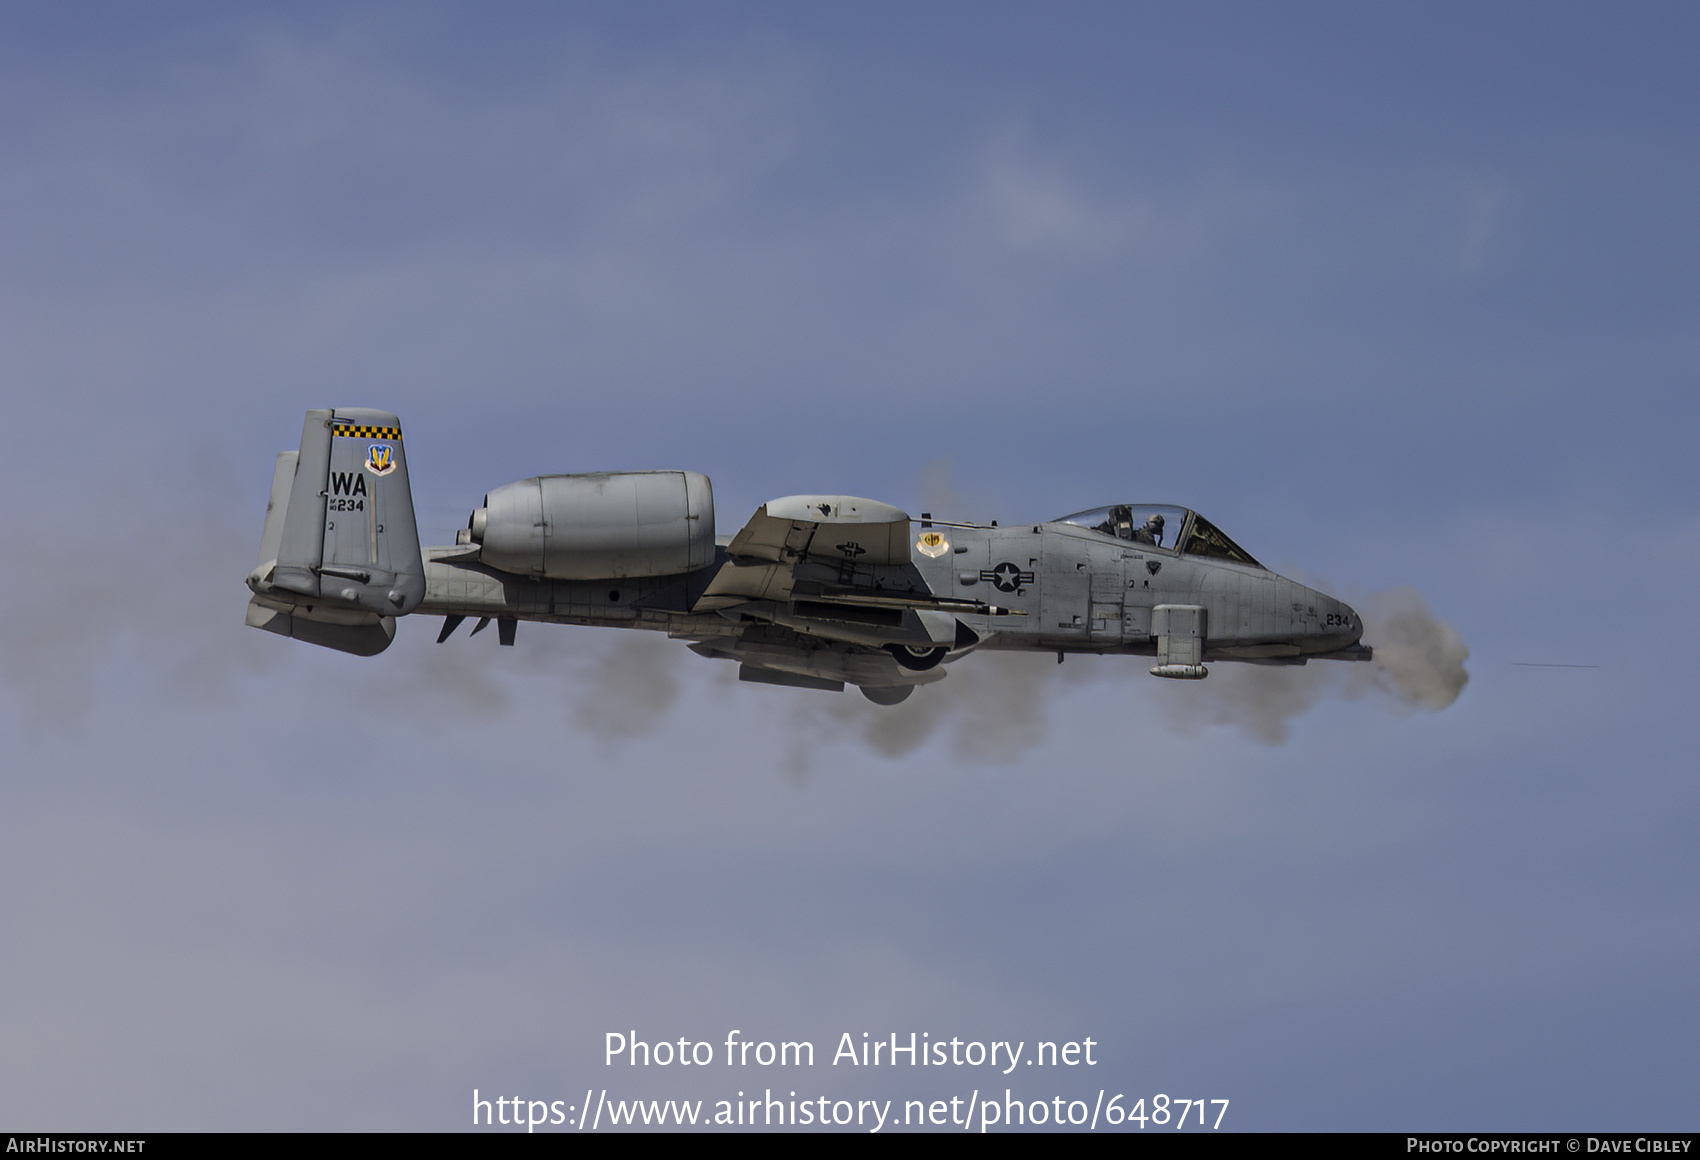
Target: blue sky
x,y
1402,297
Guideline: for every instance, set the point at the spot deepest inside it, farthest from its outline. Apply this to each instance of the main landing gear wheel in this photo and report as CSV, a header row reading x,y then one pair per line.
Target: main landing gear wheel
x,y
916,660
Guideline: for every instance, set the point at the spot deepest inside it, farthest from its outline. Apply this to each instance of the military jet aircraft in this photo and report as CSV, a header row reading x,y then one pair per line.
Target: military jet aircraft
x,y
814,592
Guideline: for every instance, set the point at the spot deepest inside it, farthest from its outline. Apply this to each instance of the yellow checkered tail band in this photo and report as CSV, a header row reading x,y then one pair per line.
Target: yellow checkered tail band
x,y
348,431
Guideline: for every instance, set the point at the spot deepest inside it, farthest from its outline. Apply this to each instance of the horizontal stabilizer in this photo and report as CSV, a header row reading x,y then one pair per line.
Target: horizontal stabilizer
x,y
363,639
283,479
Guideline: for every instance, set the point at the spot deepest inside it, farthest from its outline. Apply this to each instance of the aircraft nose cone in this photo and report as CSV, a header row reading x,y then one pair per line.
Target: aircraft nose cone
x,y
1338,624
1348,622
1327,627
1347,644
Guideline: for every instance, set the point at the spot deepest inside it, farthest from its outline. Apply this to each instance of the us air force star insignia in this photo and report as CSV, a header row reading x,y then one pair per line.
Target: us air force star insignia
x,y
852,548
380,459
932,544
1006,577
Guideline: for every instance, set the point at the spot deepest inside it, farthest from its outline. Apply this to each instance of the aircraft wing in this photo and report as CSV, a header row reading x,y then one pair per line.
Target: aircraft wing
x,y
846,534
819,553
826,527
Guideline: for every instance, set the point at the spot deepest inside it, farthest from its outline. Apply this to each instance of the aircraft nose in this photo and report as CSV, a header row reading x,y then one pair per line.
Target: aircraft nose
x,y
1328,627
1353,620
1340,623
1350,644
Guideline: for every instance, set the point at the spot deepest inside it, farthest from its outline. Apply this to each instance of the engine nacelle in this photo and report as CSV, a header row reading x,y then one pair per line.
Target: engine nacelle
x,y
599,525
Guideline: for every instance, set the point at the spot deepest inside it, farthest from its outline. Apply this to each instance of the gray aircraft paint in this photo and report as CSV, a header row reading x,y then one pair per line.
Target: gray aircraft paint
x,y
340,522
814,592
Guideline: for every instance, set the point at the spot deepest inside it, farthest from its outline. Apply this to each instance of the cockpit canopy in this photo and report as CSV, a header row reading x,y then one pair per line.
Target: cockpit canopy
x,y
1162,526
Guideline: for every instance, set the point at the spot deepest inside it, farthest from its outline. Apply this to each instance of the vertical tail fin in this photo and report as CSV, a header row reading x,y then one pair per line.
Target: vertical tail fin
x,y
339,556
349,534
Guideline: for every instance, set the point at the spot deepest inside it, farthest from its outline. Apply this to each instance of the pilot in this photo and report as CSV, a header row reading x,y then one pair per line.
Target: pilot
x,y
1151,533
1119,523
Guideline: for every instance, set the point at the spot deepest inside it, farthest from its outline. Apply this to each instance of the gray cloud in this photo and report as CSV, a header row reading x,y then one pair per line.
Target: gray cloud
x,y
632,687
991,708
160,578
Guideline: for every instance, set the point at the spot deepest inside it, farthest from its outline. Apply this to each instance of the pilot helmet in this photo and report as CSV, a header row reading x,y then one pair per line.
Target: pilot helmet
x,y
1156,521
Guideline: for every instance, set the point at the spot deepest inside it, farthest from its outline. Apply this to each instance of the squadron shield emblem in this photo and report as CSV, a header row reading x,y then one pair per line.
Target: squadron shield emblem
x,y
380,459
932,544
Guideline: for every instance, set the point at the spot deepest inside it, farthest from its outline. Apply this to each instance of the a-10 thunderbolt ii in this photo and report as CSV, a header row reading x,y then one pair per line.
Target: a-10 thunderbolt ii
x,y
814,592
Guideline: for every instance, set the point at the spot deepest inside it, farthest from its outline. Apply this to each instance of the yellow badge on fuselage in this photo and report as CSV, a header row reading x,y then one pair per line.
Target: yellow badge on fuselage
x,y
932,544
